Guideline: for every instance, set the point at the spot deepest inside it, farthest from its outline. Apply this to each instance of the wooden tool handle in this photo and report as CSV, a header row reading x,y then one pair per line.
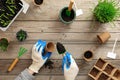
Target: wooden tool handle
x,y
13,64
70,5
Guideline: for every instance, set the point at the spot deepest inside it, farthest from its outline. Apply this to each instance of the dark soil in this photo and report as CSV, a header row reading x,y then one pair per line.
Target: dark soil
x,y
38,2
49,64
103,77
88,54
94,72
109,69
67,18
9,15
100,63
60,48
117,74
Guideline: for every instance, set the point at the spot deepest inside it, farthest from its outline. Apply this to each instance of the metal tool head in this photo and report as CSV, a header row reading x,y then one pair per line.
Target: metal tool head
x,y
79,12
111,55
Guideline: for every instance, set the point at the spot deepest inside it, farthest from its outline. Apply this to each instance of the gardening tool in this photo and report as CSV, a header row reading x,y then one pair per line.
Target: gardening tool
x,y
78,11
20,53
68,12
61,49
112,54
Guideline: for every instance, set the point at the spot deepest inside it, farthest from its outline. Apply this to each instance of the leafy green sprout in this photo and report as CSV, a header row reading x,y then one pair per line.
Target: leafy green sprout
x,y
4,44
107,11
10,2
21,35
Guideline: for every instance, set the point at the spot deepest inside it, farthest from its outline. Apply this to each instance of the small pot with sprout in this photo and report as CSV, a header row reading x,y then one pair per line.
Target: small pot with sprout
x,y
21,35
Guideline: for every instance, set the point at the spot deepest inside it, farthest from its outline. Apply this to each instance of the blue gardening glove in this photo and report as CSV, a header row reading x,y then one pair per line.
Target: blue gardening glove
x,y
38,56
69,67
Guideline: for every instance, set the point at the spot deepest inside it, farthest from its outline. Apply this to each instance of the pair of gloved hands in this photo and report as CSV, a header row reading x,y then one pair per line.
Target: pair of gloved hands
x,y
69,65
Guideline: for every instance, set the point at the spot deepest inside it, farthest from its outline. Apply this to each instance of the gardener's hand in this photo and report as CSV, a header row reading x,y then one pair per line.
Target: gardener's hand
x,y
37,56
69,67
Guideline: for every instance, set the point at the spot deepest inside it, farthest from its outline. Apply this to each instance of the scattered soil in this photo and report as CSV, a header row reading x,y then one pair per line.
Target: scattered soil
x,y
117,74
109,69
103,77
67,18
88,54
100,63
49,64
94,72
38,2
60,48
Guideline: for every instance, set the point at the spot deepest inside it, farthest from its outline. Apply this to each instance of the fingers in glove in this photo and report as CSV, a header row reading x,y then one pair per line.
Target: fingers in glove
x,y
47,55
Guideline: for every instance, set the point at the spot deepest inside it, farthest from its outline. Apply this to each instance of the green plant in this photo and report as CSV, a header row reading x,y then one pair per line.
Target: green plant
x,y
4,44
21,35
106,11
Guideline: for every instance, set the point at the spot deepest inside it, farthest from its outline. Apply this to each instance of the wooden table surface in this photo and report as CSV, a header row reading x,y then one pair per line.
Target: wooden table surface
x,y
43,23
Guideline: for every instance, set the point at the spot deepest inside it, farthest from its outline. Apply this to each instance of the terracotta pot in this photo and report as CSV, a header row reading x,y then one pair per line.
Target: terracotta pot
x,y
88,55
67,19
103,37
39,3
50,47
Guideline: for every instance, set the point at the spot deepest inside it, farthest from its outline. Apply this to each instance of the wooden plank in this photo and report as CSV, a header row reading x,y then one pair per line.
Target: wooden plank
x,y
12,77
41,77
57,70
79,77
55,26
41,13
66,37
76,49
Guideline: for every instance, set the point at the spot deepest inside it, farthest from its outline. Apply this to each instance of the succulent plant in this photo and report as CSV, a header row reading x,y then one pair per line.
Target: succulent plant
x,y
4,44
106,11
21,35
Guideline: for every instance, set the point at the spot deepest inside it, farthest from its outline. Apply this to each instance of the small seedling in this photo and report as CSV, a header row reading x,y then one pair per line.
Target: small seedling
x,y
21,35
4,44
68,11
20,53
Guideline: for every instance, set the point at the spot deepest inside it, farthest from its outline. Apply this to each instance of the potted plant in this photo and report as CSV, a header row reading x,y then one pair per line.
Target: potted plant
x,y
9,10
38,2
4,44
67,14
21,35
106,11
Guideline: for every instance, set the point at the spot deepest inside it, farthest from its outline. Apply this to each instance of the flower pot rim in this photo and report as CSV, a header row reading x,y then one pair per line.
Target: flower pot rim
x,y
64,20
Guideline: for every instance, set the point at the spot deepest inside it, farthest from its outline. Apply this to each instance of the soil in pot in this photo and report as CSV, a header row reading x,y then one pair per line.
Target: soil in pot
x,y
108,69
100,63
88,54
38,2
117,74
65,17
94,72
103,77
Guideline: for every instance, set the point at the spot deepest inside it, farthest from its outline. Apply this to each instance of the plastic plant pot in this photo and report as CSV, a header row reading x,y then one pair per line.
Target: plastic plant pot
x,y
65,18
38,2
